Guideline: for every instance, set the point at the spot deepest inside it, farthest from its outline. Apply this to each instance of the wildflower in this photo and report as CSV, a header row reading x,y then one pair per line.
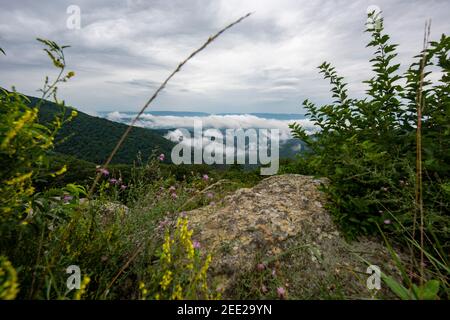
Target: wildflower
x,y
83,287
113,181
123,187
274,272
264,289
163,223
210,195
177,294
67,198
103,171
183,214
387,221
380,211
143,290
161,157
260,266
281,292
196,244
166,255
166,280
172,188
205,177
174,195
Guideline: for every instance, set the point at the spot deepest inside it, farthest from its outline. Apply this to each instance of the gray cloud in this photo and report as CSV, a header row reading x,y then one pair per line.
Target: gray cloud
x,y
268,63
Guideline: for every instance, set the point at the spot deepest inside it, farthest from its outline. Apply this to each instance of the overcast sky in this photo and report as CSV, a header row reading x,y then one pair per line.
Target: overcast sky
x,y
268,63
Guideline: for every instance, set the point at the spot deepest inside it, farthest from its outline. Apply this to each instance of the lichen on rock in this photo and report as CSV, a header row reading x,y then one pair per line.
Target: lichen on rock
x,y
279,215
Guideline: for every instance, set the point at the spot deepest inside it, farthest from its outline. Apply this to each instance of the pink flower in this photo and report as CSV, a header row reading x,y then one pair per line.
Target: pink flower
x,y
210,195
161,157
103,171
205,177
67,198
264,289
387,221
196,244
113,181
172,188
260,266
123,187
174,195
163,223
281,292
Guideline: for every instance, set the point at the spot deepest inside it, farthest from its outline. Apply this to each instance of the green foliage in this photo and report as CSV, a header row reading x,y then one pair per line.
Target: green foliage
x,y
92,138
180,272
9,286
366,147
24,143
47,224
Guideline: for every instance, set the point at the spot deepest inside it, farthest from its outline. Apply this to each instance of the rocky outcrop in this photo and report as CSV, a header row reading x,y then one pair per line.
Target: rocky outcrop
x,y
284,215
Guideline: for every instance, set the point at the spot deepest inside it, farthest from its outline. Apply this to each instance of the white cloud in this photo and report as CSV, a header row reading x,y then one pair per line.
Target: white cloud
x,y
233,121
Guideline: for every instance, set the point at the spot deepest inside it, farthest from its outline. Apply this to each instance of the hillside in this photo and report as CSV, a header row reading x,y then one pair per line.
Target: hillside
x,y
92,139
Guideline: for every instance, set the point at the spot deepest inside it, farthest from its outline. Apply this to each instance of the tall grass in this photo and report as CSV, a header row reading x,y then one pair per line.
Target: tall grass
x,y
158,90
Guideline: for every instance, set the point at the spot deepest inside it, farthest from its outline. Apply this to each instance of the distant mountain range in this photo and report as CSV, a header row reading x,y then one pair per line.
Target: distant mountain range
x,y
92,138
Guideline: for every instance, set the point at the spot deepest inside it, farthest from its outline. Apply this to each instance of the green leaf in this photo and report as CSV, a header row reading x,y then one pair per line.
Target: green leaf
x,y
429,290
397,288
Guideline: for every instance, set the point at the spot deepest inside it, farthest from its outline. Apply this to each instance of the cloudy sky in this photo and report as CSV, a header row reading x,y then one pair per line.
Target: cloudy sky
x,y
267,63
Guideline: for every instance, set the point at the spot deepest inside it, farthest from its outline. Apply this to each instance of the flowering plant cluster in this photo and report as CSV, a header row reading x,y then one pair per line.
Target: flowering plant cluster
x,y
181,271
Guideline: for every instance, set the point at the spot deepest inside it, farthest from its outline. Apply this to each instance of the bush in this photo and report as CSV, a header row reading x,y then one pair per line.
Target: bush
x,y
367,147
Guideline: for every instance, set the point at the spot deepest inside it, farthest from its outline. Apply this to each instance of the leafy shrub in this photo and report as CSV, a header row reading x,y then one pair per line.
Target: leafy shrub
x,y
366,147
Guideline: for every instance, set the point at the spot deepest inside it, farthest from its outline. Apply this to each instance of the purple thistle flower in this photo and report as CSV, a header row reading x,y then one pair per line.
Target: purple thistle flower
x,y
196,244
113,181
104,171
161,157
281,292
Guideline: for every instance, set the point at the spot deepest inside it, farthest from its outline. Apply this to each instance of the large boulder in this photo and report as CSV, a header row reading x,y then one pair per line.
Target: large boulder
x,y
283,220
